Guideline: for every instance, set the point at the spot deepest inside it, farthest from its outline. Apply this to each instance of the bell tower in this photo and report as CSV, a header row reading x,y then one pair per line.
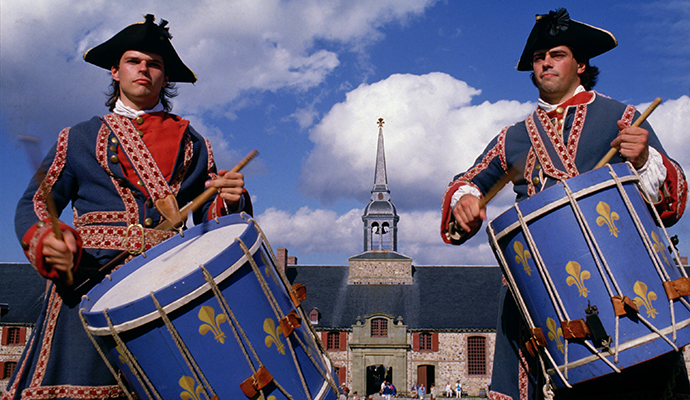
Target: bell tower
x,y
380,216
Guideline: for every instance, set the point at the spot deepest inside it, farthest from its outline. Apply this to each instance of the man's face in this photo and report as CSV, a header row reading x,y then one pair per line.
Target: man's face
x,y
556,73
141,76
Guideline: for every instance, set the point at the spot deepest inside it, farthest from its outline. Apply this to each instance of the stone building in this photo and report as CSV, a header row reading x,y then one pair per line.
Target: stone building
x,y
21,295
383,318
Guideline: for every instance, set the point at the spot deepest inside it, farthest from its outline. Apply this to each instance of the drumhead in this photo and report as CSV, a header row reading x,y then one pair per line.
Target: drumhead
x,y
169,267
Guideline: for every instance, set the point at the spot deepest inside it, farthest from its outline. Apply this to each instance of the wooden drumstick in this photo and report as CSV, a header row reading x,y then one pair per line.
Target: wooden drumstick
x,y
50,203
637,123
199,200
454,231
184,212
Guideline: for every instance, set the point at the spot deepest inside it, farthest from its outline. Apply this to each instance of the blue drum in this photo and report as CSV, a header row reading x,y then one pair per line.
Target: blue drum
x,y
207,315
594,274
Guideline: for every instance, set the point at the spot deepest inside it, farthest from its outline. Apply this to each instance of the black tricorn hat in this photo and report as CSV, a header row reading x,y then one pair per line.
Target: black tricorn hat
x,y
142,36
557,29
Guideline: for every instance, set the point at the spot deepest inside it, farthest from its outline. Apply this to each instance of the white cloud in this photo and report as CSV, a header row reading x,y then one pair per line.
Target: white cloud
x,y
232,46
431,132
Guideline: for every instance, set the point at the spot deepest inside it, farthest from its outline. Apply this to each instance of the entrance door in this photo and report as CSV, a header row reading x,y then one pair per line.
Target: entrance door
x,y
376,374
426,376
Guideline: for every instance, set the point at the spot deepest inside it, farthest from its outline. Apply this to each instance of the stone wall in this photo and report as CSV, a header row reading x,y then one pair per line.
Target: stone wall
x,y
11,353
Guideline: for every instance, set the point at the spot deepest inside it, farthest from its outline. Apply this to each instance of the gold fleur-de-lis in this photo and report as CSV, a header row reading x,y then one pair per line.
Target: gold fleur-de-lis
x,y
577,277
645,298
191,390
555,334
607,217
273,335
208,314
522,256
268,270
659,247
271,397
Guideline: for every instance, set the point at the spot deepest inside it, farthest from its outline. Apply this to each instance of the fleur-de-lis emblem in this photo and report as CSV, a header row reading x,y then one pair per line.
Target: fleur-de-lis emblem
x,y
268,270
212,323
120,354
555,334
191,390
522,256
271,397
607,217
659,247
273,335
645,298
577,277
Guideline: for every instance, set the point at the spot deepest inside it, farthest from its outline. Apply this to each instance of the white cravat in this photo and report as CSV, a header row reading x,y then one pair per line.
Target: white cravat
x,y
129,112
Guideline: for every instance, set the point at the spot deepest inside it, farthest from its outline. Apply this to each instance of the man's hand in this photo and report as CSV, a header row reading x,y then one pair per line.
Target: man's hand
x,y
468,213
633,143
230,186
59,254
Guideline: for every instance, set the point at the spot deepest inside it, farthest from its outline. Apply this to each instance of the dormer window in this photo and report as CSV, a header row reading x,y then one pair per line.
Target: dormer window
x,y
314,315
379,327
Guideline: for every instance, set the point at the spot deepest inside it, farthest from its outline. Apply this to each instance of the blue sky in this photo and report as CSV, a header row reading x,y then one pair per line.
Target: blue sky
x,y
304,82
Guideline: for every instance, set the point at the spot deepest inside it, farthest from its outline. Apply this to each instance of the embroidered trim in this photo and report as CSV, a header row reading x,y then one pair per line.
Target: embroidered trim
x,y
499,396
497,151
116,237
51,176
556,141
142,161
523,381
576,132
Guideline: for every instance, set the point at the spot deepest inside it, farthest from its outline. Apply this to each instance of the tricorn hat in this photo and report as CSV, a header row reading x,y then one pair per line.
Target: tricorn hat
x,y
557,29
142,36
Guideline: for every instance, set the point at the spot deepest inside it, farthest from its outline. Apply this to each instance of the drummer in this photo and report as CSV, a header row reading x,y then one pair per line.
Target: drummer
x,y
103,168
572,129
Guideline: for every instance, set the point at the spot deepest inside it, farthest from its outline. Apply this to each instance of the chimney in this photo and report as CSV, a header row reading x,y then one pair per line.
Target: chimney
x,y
282,258
292,260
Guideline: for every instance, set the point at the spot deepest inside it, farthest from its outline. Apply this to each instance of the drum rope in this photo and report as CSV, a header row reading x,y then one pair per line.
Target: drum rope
x,y
100,352
678,265
131,361
184,351
276,309
235,326
520,301
324,374
594,248
663,274
541,267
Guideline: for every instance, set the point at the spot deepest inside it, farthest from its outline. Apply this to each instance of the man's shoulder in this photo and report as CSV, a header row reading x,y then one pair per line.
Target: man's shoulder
x,y
603,100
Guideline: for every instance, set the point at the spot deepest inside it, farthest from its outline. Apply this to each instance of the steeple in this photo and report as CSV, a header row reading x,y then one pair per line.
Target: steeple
x,y
380,216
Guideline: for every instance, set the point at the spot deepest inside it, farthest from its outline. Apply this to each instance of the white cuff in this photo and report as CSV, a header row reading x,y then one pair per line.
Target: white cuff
x,y
463,190
653,175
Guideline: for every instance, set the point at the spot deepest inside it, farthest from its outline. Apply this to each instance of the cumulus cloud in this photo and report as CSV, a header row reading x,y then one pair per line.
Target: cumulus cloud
x,y
233,46
431,132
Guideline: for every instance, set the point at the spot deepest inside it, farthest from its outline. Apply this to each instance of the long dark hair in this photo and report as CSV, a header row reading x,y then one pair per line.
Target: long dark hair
x,y
167,93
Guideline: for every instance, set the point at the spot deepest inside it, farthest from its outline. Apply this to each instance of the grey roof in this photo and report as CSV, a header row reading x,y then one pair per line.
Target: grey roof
x,y
453,298
22,289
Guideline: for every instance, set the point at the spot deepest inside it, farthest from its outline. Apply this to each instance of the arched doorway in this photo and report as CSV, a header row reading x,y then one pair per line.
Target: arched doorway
x,y
376,374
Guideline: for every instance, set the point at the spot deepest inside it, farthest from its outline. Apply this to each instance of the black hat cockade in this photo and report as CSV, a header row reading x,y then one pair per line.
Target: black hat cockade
x,y
142,36
556,29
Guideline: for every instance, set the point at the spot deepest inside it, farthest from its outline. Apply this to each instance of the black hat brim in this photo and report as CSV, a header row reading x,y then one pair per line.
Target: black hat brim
x,y
143,36
586,41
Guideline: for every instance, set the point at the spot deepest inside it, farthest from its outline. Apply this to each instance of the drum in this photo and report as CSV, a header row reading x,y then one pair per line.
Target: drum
x,y
207,315
594,274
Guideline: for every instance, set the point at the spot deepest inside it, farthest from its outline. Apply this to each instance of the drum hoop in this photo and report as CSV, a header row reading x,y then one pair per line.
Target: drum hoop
x,y
650,337
563,201
182,301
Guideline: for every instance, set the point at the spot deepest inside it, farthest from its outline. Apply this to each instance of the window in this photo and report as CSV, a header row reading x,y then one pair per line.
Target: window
x,y
379,327
476,355
333,341
7,369
13,336
425,341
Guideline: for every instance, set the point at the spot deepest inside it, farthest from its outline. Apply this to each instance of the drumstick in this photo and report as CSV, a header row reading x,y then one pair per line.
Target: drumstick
x,y
50,203
454,232
184,211
637,123
205,195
